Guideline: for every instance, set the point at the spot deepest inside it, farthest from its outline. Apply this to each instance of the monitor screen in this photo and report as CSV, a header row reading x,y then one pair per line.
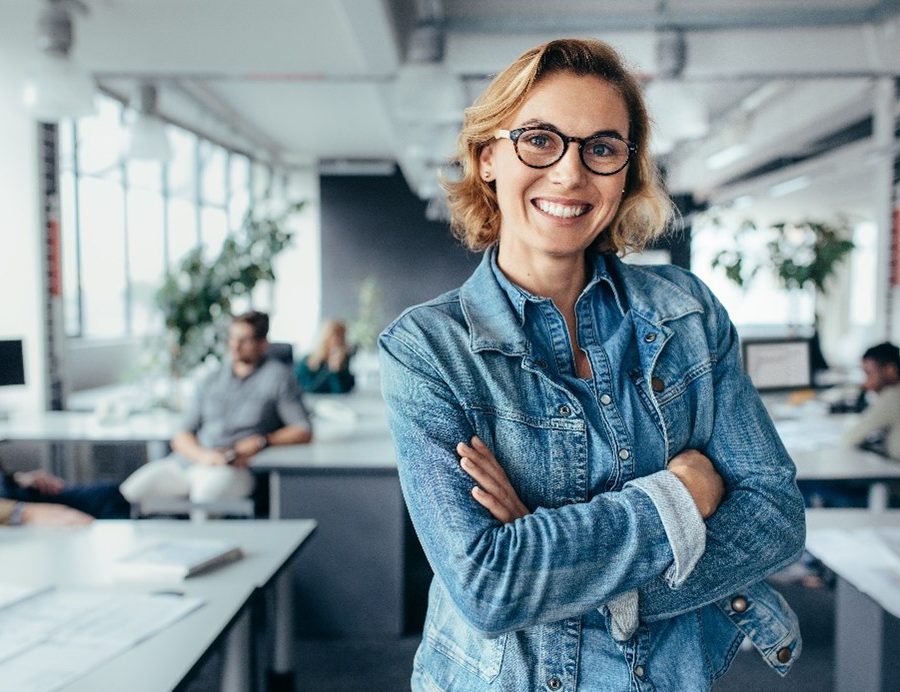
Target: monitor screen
x,y
12,365
779,364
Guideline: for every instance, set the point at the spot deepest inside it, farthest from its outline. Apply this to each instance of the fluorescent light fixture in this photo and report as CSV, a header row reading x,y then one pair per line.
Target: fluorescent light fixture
x,y
791,185
727,156
742,202
58,88
149,141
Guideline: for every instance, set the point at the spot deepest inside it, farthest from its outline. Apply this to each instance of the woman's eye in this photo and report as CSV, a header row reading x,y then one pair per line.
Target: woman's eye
x,y
537,141
600,149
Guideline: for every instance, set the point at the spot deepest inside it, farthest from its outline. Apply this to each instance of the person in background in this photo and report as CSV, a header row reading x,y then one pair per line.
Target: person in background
x,y
327,369
879,424
592,475
249,403
15,513
97,500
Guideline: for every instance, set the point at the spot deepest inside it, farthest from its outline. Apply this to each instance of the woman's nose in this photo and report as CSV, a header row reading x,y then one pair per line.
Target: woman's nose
x,y
569,170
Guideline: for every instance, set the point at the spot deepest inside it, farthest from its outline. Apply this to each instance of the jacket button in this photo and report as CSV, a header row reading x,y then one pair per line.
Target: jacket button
x,y
784,654
739,604
650,338
624,454
605,399
657,384
554,683
565,410
639,672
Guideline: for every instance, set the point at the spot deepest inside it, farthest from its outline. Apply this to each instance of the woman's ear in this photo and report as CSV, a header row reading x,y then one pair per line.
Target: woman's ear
x,y
486,163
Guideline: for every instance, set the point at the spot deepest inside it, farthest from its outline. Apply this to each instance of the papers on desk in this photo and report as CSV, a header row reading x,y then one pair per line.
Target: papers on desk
x,y
809,434
867,558
176,559
58,635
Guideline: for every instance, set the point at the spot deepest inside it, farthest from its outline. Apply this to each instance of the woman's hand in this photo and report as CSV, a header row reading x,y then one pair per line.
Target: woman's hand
x,y
494,492
700,477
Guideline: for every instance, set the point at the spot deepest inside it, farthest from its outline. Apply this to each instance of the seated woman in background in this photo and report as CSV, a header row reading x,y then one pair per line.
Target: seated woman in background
x,y
327,369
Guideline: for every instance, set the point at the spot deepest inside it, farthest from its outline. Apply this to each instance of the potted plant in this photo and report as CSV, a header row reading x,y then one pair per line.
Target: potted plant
x,y
197,297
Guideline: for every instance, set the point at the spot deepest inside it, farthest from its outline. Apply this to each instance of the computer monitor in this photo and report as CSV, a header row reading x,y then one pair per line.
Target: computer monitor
x,y
12,363
778,364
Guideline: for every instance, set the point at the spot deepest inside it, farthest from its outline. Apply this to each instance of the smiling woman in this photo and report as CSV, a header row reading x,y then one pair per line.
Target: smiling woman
x,y
570,429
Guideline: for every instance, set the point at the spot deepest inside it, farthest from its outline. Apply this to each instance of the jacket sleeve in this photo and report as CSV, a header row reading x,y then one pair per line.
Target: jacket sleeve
x,y
760,526
544,567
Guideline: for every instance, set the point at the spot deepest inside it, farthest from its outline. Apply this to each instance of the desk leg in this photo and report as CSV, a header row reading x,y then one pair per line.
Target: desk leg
x,y
274,495
238,642
283,666
878,497
866,643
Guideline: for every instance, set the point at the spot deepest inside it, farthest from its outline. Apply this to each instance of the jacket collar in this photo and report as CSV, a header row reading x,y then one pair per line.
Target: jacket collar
x,y
495,323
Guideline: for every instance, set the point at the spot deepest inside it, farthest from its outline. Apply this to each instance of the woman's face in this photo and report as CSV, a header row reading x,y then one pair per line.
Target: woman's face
x,y
560,210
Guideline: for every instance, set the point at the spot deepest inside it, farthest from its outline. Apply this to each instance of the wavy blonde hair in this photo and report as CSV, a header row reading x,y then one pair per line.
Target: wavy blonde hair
x,y
645,209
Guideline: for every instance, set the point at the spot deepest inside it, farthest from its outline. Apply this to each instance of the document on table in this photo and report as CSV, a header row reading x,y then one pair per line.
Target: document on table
x,y
51,638
808,435
867,558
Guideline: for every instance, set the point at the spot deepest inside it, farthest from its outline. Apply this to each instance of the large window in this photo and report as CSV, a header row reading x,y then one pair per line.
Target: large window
x,y
125,224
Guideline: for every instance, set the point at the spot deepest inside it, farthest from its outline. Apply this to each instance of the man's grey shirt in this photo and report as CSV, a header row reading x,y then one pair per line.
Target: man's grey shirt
x,y
228,408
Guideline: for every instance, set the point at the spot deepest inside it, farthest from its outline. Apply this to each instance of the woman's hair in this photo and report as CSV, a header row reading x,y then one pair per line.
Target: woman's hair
x,y
330,329
475,216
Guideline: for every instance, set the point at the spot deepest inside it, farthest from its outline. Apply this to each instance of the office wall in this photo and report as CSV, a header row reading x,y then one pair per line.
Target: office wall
x,y
375,226
21,306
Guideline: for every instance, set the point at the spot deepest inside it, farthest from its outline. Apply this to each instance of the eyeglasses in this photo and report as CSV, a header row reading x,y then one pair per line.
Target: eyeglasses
x,y
541,147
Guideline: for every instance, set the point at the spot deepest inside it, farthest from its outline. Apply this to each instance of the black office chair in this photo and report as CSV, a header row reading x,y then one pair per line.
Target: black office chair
x,y
281,351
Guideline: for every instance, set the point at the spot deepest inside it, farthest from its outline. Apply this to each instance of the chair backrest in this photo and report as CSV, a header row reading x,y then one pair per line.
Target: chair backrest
x,y
281,351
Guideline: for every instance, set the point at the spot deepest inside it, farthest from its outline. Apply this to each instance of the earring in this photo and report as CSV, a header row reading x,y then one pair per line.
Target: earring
x,y
486,175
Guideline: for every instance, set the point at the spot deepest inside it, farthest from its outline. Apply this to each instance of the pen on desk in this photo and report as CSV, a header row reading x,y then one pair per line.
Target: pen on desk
x,y
168,592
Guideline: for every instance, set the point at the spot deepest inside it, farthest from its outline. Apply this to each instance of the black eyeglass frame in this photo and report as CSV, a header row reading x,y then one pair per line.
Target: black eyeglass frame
x,y
513,136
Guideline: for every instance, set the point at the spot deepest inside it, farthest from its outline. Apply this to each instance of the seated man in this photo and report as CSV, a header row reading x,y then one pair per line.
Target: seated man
x,y
881,419
97,500
14,513
249,403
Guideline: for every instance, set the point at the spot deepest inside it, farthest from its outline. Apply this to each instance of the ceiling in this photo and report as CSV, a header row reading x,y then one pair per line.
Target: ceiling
x,y
353,85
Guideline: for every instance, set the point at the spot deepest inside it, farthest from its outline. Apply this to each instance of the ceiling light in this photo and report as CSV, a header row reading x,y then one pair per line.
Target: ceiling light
x,y
149,141
726,156
788,186
57,87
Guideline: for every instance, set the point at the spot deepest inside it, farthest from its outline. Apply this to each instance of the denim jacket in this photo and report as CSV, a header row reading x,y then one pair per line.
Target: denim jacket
x,y
506,603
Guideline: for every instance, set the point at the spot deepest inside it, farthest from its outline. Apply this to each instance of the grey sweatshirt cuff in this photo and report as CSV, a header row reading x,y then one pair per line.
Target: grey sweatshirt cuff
x,y
681,521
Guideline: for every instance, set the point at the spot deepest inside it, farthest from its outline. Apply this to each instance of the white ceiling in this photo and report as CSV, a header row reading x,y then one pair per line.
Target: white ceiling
x,y
304,82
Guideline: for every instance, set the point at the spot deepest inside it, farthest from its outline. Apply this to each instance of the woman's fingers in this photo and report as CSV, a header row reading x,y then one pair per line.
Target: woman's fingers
x,y
494,491
497,509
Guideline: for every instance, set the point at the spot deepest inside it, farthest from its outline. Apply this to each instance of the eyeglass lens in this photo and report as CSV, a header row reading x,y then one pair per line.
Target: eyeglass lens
x,y
601,154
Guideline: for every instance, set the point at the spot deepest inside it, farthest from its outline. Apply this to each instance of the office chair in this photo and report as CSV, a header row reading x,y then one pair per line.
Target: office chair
x,y
281,351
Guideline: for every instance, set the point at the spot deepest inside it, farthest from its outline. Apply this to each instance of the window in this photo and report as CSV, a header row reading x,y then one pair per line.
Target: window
x,y
125,223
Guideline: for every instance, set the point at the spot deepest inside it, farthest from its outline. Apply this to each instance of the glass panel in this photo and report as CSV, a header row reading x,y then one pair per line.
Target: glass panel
x,y
102,257
69,238
863,267
66,144
239,197
215,228
182,230
146,257
214,159
183,167
146,175
100,140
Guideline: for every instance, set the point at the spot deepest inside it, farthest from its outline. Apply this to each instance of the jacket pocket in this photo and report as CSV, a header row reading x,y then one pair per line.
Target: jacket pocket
x,y
447,633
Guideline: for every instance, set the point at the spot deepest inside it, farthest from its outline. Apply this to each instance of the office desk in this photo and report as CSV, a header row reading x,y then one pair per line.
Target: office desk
x,y
346,479
82,557
814,445
153,428
867,610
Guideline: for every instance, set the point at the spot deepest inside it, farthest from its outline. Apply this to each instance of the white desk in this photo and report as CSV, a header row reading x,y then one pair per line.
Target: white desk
x,y
814,446
346,479
867,635
83,556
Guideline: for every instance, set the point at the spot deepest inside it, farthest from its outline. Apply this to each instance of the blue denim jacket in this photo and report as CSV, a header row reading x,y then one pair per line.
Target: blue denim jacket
x,y
505,607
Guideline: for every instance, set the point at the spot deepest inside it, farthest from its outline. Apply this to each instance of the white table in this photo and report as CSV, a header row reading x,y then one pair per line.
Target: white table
x,y
82,557
867,634
347,480
813,444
